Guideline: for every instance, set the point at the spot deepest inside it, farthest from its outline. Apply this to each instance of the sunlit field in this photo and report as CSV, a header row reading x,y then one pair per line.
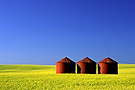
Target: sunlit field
x,y
41,77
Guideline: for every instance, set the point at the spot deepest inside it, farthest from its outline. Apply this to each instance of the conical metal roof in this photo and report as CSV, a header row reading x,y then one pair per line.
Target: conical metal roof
x,y
65,60
86,60
107,60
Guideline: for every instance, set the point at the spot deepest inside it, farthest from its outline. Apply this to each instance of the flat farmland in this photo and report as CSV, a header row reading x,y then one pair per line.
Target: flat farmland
x,y
43,77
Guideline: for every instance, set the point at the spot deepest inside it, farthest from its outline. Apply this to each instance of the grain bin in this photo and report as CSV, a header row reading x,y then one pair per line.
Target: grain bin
x,y
86,66
65,65
107,66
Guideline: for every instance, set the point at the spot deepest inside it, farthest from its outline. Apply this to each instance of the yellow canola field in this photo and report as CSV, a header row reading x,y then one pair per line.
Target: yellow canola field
x,y
43,77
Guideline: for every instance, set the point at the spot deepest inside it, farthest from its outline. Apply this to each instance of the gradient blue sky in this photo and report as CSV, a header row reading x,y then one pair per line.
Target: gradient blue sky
x,y
45,31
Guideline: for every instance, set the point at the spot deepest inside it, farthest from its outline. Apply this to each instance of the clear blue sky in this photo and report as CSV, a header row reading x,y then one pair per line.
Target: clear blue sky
x,y
45,31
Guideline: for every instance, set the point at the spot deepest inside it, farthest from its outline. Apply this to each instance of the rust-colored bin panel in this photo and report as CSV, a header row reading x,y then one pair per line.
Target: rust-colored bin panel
x,y
65,65
107,66
86,66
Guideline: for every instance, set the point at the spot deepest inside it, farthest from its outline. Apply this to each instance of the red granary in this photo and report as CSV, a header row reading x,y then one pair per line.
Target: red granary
x,y
65,65
86,66
107,66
